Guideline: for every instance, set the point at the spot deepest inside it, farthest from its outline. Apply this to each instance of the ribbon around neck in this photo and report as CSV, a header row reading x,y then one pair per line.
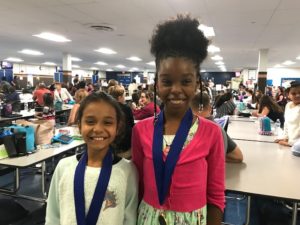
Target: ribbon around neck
x,y
99,194
164,170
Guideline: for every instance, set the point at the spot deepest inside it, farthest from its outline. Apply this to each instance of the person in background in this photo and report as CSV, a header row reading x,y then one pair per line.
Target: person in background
x,y
280,98
97,185
112,82
132,87
76,80
4,85
268,107
61,94
48,112
38,94
80,95
292,117
15,83
180,157
124,144
248,98
257,97
224,105
145,108
90,88
233,152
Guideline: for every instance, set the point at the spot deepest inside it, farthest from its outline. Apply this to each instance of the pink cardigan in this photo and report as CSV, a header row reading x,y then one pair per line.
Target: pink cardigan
x,y
199,174
145,112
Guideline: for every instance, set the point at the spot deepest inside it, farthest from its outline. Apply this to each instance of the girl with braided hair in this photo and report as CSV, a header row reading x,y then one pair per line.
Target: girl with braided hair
x,y
179,156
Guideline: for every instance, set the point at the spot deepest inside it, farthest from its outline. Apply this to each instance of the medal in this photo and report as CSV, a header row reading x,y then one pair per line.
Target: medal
x,y
162,219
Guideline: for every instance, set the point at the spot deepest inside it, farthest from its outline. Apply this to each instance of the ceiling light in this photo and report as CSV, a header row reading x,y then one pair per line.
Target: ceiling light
x,y
49,63
120,66
75,66
288,62
223,69
277,66
202,71
13,59
101,63
134,58
109,70
94,68
52,37
213,49
135,68
106,51
298,57
207,31
152,63
31,52
219,63
217,57
75,59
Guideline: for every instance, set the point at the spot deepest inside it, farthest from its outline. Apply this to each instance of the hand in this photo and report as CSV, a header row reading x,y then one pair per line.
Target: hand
x,y
284,143
133,105
255,113
281,139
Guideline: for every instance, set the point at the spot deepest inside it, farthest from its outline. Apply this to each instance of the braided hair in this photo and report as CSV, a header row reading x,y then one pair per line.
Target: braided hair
x,y
179,37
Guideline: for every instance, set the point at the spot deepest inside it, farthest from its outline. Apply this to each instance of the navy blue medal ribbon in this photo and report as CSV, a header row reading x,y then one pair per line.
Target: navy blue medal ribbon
x,y
164,170
99,194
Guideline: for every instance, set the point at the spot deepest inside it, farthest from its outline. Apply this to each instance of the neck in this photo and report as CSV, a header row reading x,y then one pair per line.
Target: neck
x,y
95,158
172,122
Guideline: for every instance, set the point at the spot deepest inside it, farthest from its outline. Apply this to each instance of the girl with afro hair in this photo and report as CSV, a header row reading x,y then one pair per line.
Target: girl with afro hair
x,y
179,156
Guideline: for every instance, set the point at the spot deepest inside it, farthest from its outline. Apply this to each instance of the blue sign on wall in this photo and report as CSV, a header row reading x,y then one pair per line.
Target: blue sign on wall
x,y
58,77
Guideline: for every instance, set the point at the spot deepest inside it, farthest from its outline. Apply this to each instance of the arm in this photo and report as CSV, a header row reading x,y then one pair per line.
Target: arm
x,y
138,158
234,153
264,112
236,156
131,204
56,96
52,211
215,180
68,94
72,115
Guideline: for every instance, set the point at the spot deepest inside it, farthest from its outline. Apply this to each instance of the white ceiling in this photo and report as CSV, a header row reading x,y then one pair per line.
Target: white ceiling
x,y
241,27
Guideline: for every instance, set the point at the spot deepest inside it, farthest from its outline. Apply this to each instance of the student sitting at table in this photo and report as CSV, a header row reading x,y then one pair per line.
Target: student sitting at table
x,y
79,96
233,152
61,94
268,107
146,106
224,105
292,117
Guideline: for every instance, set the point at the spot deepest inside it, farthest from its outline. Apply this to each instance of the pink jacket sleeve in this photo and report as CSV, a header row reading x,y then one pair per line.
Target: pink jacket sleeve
x,y
138,157
216,173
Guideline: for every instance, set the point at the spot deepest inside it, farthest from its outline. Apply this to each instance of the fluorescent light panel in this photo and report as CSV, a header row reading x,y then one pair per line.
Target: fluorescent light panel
x,y
101,63
217,58
213,49
94,68
207,31
52,37
109,70
106,51
120,66
152,63
134,58
75,66
75,59
49,63
13,59
219,63
288,62
31,52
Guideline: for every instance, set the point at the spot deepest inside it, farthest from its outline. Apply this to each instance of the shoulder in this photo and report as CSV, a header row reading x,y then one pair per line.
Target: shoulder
x,y
144,124
67,163
125,167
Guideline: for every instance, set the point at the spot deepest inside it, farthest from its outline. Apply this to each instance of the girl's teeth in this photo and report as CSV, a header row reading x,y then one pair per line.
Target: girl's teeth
x,y
99,139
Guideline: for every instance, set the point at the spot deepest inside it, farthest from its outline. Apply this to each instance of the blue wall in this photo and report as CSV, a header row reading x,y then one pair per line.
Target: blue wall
x,y
218,77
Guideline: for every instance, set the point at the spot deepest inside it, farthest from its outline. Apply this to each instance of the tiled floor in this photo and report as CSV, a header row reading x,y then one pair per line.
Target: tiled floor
x,y
234,212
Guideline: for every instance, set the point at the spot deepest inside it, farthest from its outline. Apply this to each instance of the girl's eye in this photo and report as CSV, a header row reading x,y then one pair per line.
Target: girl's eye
x,y
108,122
166,82
187,81
89,121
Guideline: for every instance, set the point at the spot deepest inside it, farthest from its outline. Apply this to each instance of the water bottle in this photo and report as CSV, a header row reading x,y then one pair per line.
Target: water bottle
x,y
26,106
277,129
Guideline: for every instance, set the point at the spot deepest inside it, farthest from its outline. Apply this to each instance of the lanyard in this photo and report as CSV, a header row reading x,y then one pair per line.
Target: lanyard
x,y
164,170
99,194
